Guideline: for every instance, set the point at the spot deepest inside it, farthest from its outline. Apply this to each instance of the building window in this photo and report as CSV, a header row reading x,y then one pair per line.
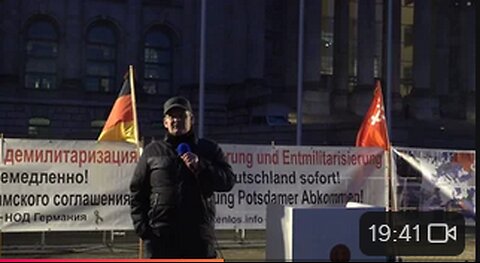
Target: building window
x,y
158,62
352,43
406,52
41,48
101,54
407,35
38,127
327,37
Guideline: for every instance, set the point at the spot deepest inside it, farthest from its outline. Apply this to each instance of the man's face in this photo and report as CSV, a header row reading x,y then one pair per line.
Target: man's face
x,y
178,121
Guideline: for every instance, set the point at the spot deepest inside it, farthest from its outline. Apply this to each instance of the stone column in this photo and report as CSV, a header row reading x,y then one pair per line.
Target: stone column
x,y
236,34
366,41
467,65
316,101
190,46
442,62
290,45
396,57
312,44
214,40
424,104
255,39
340,56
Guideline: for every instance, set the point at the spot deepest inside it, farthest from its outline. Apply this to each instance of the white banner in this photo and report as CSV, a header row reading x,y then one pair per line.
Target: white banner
x,y
65,185
55,185
431,179
298,176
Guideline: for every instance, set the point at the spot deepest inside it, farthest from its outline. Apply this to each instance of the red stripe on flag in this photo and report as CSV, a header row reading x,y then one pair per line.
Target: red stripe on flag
x,y
121,112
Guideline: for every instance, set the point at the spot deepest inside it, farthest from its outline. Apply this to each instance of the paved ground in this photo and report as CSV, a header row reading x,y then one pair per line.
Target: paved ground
x,y
125,245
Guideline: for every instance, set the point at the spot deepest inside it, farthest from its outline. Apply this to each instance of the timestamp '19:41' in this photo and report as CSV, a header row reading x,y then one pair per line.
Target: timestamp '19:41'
x,y
383,233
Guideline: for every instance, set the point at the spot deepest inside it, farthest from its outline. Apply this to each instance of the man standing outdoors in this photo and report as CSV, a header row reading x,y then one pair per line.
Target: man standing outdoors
x,y
172,205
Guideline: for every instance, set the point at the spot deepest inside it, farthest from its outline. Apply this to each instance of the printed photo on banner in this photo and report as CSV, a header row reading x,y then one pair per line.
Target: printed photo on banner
x,y
431,179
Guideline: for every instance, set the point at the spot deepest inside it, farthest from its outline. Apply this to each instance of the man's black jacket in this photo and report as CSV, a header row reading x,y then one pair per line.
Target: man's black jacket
x,y
172,203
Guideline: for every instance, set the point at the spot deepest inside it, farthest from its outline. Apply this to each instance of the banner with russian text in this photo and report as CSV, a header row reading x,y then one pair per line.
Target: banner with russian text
x,y
83,185
436,179
65,185
299,176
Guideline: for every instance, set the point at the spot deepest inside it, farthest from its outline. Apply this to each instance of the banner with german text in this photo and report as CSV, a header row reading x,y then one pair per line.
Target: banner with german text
x,y
299,176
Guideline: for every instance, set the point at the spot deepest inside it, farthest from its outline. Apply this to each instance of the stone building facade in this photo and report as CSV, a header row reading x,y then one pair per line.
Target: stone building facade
x,y
62,63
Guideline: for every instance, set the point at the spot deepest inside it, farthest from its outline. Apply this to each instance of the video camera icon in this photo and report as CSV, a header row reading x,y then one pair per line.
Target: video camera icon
x,y
440,233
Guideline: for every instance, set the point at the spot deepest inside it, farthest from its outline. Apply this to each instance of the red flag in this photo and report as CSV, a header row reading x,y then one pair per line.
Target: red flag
x,y
373,132
121,124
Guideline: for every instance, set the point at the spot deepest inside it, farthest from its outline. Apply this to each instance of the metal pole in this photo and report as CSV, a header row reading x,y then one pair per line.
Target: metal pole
x,y
201,90
392,192
42,240
388,92
300,72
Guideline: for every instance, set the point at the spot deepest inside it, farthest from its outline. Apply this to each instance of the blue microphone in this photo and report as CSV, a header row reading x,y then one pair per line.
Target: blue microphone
x,y
183,148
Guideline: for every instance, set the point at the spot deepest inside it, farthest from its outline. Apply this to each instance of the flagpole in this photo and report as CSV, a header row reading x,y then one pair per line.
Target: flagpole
x,y
300,71
140,241
134,104
392,207
135,132
392,180
389,65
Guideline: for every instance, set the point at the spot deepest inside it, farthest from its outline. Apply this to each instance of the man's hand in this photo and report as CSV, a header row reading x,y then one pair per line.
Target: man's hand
x,y
191,161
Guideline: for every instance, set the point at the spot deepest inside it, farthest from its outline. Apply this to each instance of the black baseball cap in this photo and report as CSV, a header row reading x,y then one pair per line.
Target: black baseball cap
x,y
177,102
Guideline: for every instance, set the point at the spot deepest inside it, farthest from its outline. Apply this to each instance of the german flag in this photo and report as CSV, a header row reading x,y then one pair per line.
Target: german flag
x,y
121,124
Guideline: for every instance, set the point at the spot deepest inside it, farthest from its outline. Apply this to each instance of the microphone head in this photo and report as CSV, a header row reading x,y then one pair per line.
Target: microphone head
x,y
183,148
